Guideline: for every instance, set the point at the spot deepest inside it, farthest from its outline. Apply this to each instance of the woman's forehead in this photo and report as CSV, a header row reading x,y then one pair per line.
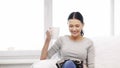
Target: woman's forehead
x,y
75,21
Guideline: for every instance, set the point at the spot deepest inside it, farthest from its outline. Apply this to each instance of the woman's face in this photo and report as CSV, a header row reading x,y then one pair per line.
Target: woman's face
x,y
75,27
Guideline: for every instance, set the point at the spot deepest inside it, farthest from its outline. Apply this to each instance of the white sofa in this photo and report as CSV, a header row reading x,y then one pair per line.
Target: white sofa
x,y
107,54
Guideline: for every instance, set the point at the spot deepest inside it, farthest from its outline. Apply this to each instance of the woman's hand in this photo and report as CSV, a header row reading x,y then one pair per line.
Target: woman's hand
x,y
84,66
49,34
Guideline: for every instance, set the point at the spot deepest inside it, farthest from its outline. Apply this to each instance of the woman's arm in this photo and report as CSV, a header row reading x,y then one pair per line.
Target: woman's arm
x,y
91,56
44,52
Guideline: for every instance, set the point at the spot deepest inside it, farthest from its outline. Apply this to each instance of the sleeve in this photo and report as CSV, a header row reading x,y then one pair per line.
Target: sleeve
x,y
91,56
55,48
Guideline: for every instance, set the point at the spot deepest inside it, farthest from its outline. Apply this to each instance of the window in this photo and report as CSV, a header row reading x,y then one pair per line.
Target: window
x,y
117,17
96,13
21,24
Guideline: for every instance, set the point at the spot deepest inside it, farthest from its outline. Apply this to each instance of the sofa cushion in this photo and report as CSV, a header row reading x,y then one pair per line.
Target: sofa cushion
x,y
107,52
45,64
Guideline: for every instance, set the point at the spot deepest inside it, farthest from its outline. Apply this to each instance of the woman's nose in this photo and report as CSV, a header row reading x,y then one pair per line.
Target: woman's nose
x,y
74,28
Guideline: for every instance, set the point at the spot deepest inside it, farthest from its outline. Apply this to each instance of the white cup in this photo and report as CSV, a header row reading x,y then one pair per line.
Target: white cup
x,y
54,32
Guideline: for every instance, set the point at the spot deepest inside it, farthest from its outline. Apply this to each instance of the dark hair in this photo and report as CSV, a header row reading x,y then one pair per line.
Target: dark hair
x,y
77,15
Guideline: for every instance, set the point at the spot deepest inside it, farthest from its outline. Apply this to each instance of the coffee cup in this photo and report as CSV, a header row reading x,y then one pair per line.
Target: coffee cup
x,y
54,31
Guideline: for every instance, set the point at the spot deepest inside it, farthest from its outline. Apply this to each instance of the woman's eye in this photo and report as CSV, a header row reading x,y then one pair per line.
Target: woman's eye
x,y
70,25
77,26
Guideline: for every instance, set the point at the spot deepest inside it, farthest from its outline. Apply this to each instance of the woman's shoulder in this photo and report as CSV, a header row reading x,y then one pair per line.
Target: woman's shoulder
x,y
88,40
61,39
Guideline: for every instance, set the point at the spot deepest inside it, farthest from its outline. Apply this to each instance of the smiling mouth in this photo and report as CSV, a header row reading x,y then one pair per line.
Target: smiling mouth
x,y
74,32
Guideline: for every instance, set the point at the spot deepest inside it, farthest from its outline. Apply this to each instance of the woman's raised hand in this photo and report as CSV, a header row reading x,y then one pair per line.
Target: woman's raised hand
x,y
48,34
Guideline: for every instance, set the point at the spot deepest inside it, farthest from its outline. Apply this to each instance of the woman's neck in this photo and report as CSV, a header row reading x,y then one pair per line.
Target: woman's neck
x,y
77,38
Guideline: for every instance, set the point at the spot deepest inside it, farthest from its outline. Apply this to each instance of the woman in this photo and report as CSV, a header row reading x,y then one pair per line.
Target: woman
x,y
75,50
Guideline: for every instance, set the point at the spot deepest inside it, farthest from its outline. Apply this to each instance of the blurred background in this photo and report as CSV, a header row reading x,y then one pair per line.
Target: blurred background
x,y
23,22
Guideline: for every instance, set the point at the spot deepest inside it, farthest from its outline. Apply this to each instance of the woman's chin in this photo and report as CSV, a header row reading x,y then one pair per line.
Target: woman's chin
x,y
74,35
